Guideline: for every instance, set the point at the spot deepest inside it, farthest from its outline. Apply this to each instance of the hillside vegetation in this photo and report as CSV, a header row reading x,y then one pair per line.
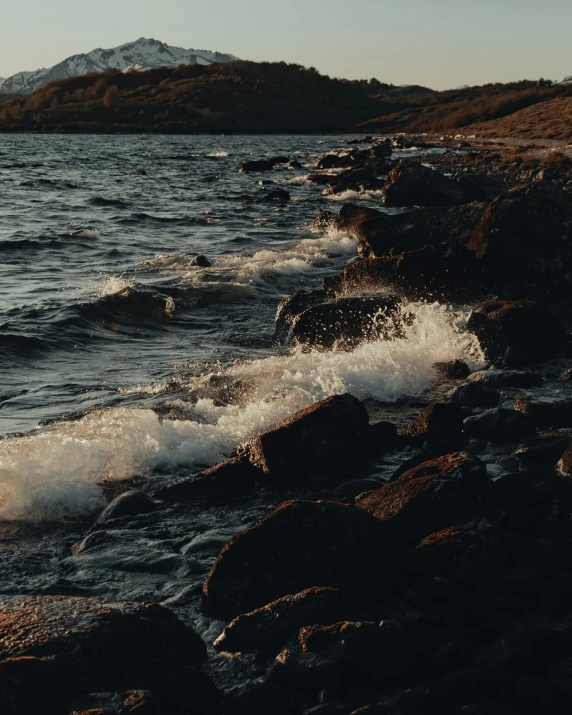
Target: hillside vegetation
x,y
249,97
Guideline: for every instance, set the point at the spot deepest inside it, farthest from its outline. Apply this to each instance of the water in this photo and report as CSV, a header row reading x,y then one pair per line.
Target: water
x,y
121,358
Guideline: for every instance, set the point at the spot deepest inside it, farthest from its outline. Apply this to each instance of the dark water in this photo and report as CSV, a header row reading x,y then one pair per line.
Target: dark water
x,y
104,314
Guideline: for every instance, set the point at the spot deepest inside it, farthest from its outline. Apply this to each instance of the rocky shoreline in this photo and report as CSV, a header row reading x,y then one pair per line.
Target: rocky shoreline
x,y
437,583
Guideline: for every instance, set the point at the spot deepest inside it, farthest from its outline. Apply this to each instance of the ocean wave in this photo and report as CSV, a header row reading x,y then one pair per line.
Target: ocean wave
x,y
58,472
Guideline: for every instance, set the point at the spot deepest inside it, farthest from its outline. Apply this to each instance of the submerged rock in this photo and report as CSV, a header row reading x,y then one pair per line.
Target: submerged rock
x,y
292,306
438,426
128,504
547,415
260,165
201,262
475,395
432,496
498,425
266,629
529,330
496,379
300,545
279,195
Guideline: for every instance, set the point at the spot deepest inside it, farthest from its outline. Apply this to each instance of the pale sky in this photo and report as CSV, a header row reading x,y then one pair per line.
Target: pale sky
x,y
436,43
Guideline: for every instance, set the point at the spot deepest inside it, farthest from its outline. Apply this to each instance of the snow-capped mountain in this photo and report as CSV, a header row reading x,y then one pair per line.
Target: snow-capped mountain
x,y
566,80
141,55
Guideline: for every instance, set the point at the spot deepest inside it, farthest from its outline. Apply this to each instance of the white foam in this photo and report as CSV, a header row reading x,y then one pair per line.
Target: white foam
x,y
114,284
348,195
55,473
218,154
87,233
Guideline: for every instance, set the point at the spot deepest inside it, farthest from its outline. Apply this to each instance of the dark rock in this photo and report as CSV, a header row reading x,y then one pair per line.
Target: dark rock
x,y
446,271
480,187
298,671
229,479
431,496
416,185
347,322
279,195
336,161
525,327
384,437
438,426
280,159
327,438
201,262
261,165
564,465
453,370
496,379
524,235
33,685
267,629
295,164
475,395
567,376
356,487
298,546
128,504
545,449
498,425
466,552
380,234
322,222
189,690
547,415
100,644
292,307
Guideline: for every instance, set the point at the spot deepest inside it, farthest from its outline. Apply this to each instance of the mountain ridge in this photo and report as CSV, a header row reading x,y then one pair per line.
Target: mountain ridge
x,y
142,54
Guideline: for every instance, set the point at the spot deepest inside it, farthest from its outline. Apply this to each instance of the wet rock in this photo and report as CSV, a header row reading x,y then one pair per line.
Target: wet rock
x,y
356,487
480,187
545,449
384,437
127,504
225,480
431,496
497,379
189,690
475,395
438,426
524,236
446,271
293,306
347,322
416,185
254,166
567,376
327,438
564,465
298,546
141,702
201,262
280,159
465,552
336,161
453,370
383,650
266,629
279,195
546,415
295,164
299,671
527,328
33,685
210,542
102,645
380,234
498,425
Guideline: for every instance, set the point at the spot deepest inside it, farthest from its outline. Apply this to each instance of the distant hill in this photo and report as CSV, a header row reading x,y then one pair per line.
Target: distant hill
x,y
251,97
143,54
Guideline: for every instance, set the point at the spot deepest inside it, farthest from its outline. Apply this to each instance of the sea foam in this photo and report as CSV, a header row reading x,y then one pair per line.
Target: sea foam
x,y
57,472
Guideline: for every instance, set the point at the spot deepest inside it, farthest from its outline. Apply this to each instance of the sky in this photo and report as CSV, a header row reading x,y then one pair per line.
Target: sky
x,y
435,43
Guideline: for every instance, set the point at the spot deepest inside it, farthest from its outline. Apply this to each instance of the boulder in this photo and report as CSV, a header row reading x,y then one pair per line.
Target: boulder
x,y
98,644
524,235
292,306
527,329
231,478
453,370
546,415
446,271
381,234
412,184
564,465
475,395
480,187
498,425
347,322
328,438
497,379
432,496
255,166
300,545
201,262
336,161
438,426
465,552
268,628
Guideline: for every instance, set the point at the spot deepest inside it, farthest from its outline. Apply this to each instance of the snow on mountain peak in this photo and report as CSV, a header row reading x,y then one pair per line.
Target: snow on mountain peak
x,y
143,54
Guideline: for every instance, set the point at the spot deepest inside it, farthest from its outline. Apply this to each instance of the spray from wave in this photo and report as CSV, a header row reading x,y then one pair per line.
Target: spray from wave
x,y
57,473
